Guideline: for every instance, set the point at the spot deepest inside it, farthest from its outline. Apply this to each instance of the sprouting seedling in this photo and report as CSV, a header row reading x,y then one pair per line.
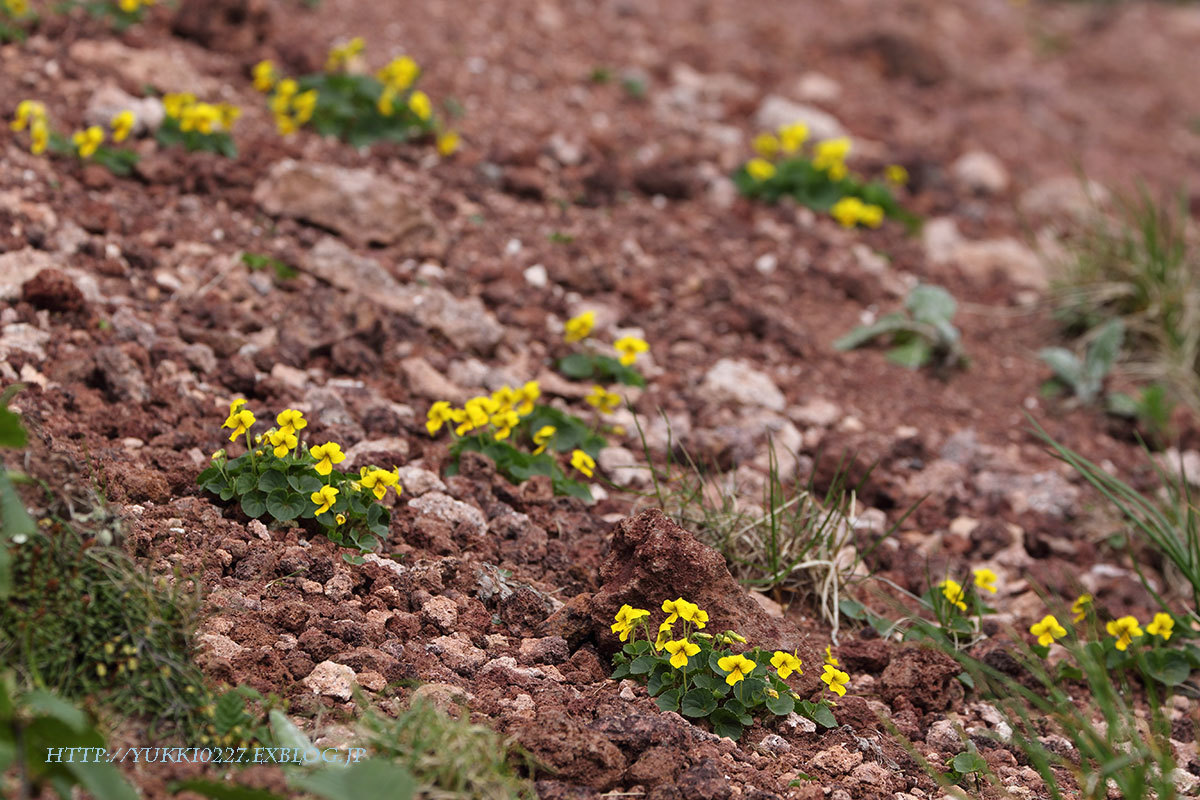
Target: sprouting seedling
x,y
922,334
1085,377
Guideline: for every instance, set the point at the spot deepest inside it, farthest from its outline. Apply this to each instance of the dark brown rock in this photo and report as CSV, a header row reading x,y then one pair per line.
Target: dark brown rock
x,y
575,753
52,290
230,26
705,781
926,677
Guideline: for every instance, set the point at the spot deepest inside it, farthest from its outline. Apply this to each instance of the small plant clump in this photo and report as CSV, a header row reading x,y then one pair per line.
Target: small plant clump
x,y
281,476
922,334
357,108
86,144
198,126
820,179
491,424
709,677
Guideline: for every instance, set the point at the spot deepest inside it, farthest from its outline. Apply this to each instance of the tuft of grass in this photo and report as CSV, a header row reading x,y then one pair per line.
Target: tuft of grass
x,y
450,758
85,622
1140,265
797,543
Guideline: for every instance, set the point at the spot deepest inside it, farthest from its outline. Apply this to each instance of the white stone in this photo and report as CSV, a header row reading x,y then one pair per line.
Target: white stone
x,y
980,172
455,512
331,679
776,111
536,276
738,382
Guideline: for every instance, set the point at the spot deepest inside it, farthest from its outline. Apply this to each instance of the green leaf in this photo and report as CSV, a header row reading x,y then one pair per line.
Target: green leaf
x,y
668,701
698,703
304,482
660,679
642,664
823,716
621,671
1103,351
245,483
1168,667
219,790
726,724
782,705
370,778
286,733
707,680
283,505
969,762
254,504
930,304
12,432
913,354
271,480
890,323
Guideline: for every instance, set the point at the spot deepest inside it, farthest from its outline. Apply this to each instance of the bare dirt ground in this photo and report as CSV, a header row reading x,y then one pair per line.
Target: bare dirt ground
x,y
622,197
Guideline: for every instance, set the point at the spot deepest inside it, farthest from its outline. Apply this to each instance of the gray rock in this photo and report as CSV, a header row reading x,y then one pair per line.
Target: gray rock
x,y
20,266
360,204
331,679
25,338
777,111
447,509
122,375
457,653
1066,195
738,382
774,743
418,481
441,612
108,101
837,760
980,172
167,70
426,381
622,468
944,737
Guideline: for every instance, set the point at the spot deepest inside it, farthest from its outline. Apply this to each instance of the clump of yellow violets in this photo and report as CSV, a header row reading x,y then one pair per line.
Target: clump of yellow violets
x,y
815,174
86,144
520,436
712,676
282,476
197,125
355,106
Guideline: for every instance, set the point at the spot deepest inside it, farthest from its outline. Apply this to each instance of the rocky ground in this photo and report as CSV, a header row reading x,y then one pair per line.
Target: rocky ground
x,y
128,313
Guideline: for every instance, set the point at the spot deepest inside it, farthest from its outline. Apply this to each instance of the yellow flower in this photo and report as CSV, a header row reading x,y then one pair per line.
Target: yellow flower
x,y
847,211
378,480
760,169
664,635
830,157
27,111
327,455
129,6
175,104
340,56
447,143
689,612
542,437
626,620
1161,626
439,414
792,137
285,125
1124,629
239,419
1081,606
629,347
871,215
836,680
583,462
291,419
324,497
985,579
476,414
786,663
1047,630
88,141
303,105
399,74
580,327
341,519
39,136
18,8
526,396
122,125
603,400
953,592
738,667
505,421
829,659
766,145
264,75
896,174
386,104
419,104
681,650
228,114
282,440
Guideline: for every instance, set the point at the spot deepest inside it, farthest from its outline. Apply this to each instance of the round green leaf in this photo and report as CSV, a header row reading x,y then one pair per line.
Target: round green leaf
x,y
698,703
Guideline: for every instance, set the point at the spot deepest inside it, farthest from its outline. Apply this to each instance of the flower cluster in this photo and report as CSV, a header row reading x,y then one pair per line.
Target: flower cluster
x,y
197,125
708,676
86,143
281,476
1124,630
357,108
590,364
819,178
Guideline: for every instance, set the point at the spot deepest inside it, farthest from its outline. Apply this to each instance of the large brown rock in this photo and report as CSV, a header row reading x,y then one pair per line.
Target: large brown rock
x,y
571,751
651,560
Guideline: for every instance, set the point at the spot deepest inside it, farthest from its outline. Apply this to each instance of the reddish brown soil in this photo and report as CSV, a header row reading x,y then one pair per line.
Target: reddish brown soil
x,y
153,326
